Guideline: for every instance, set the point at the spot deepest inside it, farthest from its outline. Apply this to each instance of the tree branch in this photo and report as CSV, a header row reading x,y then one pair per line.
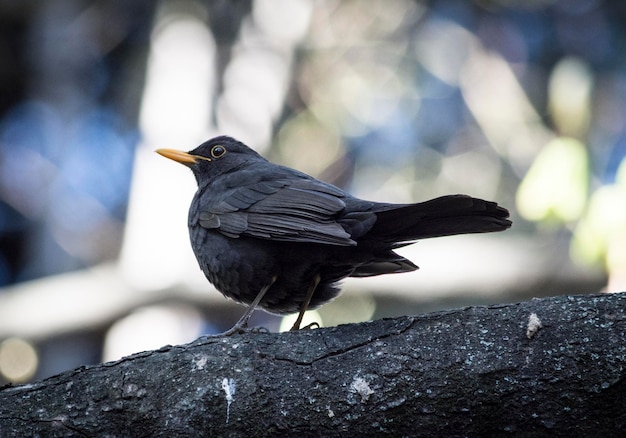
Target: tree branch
x,y
473,371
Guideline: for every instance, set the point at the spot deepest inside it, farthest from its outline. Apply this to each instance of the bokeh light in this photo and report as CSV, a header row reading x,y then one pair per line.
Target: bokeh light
x,y
18,360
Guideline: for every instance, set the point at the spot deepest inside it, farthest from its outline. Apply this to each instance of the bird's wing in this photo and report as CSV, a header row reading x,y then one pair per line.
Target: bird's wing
x,y
291,210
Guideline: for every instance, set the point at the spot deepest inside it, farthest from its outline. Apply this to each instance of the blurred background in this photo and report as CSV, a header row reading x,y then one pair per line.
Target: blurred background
x,y
522,102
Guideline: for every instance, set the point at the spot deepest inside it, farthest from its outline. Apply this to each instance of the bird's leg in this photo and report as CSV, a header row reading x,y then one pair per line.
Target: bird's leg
x,y
241,326
305,303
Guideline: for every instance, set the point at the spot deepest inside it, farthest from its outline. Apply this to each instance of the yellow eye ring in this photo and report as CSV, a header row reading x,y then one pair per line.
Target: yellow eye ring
x,y
218,151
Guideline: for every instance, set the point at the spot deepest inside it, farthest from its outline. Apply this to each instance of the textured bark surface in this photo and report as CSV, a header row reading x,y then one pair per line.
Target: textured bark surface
x,y
476,371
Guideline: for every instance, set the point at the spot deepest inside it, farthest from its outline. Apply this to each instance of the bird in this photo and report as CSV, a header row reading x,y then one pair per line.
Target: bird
x,y
272,237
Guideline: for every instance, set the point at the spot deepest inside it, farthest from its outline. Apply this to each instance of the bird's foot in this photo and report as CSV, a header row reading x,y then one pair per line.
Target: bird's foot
x,y
310,326
305,305
242,329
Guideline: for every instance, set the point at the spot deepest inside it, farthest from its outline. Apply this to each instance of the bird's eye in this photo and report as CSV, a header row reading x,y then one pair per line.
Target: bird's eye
x,y
218,151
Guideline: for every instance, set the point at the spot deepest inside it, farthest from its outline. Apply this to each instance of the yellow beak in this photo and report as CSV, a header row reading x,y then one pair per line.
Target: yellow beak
x,y
180,156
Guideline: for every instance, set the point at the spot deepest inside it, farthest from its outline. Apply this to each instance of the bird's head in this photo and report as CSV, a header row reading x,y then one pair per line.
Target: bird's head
x,y
214,157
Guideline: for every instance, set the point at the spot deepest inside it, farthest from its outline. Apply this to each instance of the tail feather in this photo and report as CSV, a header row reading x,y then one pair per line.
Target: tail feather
x,y
444,216
387,262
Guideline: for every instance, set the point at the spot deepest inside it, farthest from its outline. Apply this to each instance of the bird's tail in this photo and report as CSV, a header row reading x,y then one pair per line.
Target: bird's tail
x,y
444,216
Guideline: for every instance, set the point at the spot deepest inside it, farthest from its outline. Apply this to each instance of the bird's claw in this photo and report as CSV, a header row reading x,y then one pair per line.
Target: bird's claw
x,y
240,329
310,326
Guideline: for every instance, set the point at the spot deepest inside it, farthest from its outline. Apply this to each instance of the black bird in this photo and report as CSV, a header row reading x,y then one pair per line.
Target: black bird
x,y
269,236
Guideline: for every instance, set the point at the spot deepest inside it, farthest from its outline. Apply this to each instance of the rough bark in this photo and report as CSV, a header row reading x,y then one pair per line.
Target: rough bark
x,y
476,371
